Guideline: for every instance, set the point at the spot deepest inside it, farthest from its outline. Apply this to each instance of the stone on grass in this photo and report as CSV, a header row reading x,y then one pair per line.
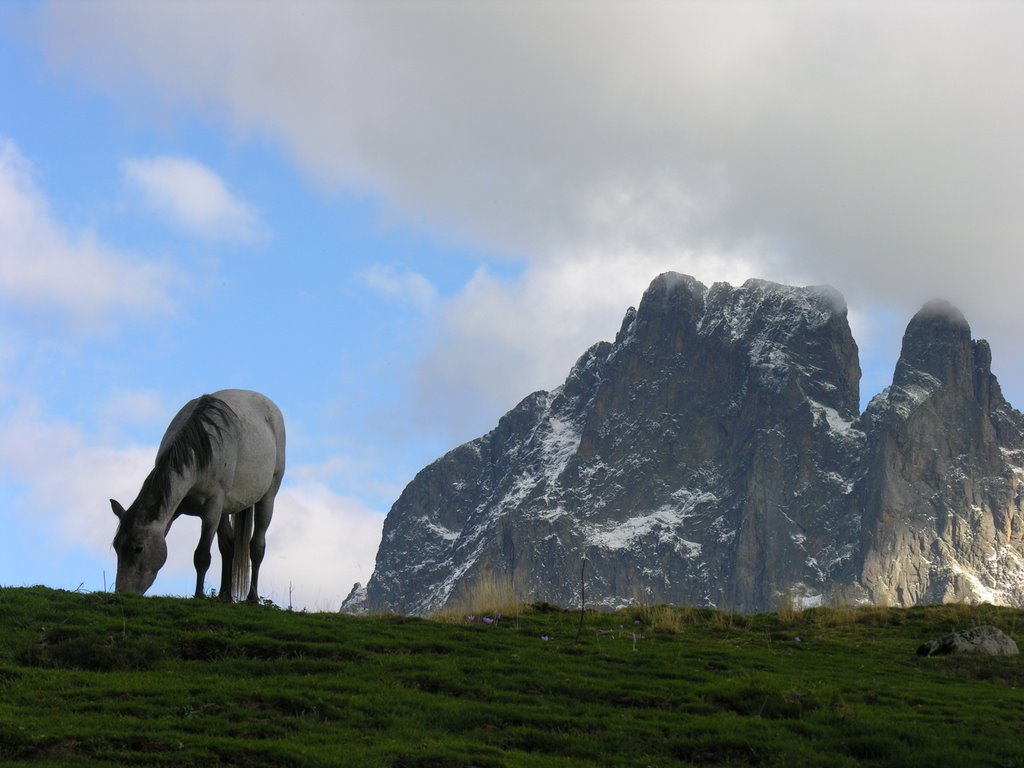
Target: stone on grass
x,y
988,640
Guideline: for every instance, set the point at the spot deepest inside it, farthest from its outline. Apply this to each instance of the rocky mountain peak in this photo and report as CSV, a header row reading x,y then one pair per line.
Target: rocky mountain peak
x,y
790,333
936,349
713,455
940,367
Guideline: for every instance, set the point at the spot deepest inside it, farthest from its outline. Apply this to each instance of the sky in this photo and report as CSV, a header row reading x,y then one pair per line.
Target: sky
x,y
397,219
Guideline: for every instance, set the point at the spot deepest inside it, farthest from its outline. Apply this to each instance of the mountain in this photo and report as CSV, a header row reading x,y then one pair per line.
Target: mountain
x,y
713,454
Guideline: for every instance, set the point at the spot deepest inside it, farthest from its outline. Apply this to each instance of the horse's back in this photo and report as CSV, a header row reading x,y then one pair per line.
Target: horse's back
x,y
253,407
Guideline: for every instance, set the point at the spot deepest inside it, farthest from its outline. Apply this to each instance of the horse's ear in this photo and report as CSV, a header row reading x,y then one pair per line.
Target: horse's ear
x,y
118,509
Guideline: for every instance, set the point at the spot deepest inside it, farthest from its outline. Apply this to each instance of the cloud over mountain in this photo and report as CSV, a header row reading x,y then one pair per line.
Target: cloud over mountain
x,y
870,148
529,129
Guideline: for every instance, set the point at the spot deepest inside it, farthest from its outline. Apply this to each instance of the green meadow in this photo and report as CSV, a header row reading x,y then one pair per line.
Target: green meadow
x,y
109,680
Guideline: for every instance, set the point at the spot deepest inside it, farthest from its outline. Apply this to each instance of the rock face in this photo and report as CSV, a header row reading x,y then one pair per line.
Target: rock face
x,y
988,640
714,455
943,492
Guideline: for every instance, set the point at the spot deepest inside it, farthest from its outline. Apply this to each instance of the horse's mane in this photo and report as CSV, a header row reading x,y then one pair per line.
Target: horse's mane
x,y
190,448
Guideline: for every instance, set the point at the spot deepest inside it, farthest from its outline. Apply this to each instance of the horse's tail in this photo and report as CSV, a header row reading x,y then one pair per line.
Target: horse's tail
x,y
240,562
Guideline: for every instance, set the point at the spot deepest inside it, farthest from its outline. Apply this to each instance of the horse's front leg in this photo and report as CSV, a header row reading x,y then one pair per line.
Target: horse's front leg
x,y
202,557
226,545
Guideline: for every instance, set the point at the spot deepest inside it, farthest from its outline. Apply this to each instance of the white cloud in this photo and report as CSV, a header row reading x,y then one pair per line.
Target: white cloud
x,y
43,264
843,134
192,197
401,285
871,148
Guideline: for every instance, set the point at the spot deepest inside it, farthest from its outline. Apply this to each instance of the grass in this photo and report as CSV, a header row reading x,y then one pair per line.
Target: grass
x,y
108,680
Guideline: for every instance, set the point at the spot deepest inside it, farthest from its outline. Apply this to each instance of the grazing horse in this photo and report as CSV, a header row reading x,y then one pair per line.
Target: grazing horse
x,y
222,455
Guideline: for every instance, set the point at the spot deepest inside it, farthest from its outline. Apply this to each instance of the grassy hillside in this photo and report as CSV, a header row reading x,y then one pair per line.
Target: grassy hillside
x,y
101,679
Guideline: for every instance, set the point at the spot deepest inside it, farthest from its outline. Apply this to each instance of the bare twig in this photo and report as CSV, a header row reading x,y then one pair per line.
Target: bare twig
x,y
583,597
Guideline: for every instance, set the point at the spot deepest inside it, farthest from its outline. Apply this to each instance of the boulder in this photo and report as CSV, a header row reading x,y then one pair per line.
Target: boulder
x,y
989,640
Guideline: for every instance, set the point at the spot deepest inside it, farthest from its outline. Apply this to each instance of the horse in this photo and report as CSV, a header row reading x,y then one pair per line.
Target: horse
x,y
222,456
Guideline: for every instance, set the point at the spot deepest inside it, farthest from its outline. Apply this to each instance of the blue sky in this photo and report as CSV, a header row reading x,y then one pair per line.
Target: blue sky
x,y
398,219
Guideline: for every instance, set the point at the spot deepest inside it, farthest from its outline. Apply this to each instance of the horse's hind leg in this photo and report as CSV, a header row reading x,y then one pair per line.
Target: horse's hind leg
x,y
225,543
264,511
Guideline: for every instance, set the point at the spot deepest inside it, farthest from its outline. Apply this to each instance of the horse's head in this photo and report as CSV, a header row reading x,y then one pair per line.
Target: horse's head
x,y
141,551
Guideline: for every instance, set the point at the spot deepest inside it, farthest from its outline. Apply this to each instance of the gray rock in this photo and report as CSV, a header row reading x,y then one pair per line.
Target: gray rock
x,y
987,640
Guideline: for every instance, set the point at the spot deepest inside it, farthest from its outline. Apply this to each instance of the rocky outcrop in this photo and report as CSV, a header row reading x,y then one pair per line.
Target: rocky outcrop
x,y
713,455
987,640
355,603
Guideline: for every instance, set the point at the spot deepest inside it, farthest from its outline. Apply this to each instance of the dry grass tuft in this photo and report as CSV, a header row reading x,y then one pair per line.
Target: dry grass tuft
x,y
832,615
787,605
666,618
673,619
490,595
